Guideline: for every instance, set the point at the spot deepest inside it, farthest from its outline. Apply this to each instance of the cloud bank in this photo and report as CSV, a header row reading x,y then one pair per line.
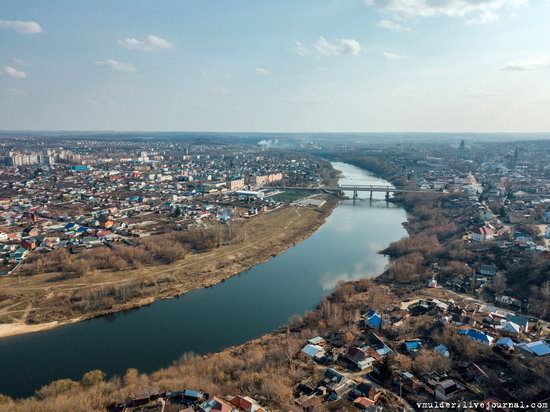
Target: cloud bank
x,y
13,72
150,44
23,27
324,48
116,65
484,10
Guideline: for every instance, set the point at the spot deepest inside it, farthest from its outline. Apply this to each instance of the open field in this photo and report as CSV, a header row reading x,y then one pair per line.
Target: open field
x,y
291,195
43,301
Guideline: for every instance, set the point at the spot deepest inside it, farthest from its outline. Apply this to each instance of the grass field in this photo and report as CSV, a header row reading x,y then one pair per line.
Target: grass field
x,y
290,196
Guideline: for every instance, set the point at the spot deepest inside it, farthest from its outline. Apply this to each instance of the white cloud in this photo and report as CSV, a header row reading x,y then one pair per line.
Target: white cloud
x,y
485,17
484,9
24,27
116,65
392,56
391,25
13,72
309,99
263,71
151,43
17,92
475,93
19,62
323,48
524,65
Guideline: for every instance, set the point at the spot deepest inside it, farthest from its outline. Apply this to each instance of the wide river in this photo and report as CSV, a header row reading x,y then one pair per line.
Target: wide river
x,y
204,320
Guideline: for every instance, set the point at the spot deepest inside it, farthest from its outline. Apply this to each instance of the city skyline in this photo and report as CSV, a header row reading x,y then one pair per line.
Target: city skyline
x,y
350,66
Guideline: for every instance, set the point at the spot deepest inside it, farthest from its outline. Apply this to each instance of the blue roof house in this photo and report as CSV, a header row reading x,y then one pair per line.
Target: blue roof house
x,y
373,319
412,346
506,343
442,350
519,320
478,336
538,348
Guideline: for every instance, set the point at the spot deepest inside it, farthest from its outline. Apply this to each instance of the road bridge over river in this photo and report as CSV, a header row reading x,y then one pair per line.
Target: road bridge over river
x,y
360,188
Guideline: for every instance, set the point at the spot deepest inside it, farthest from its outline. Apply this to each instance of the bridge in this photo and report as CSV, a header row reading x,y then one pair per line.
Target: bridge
x,y
359,188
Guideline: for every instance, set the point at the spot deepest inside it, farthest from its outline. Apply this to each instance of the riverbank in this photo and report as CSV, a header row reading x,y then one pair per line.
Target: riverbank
x,y
52,303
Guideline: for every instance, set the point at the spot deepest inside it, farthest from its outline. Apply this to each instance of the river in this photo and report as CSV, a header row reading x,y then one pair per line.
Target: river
x,y
204,320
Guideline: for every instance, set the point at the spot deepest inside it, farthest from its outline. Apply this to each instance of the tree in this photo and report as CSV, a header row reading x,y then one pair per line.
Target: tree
x,y
545,293
387,368
93,378
499,283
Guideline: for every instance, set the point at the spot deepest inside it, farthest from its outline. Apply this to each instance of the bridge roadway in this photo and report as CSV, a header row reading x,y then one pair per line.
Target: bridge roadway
x,y
357,188
360,188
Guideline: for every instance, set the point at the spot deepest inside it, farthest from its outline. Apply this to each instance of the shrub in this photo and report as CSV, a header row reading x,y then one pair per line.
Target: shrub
x,y
56,387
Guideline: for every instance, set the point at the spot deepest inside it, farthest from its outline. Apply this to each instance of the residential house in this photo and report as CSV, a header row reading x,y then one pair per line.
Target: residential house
x,y
442,350
412,346
216,405
246,404
509,328
506,343
410,382
372,319
314,352
483,234
360,358
478,336
337,383
519,320
488,270
445,390
363,402
366,390
538,348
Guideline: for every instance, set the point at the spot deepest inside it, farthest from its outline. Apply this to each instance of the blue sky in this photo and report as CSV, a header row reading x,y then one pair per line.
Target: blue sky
x,y
285,65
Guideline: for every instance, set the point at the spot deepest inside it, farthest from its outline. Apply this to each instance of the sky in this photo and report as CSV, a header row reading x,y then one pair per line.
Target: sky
x,y
275,66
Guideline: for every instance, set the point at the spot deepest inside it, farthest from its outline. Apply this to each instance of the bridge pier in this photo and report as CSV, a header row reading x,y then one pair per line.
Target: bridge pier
x,y
387,196
355,194
370,195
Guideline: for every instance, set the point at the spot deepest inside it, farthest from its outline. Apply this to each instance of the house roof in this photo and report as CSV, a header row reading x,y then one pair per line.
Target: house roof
x,y
312,350
216,404
316,340
506,342
448,383
442,350
538,348
364,402
477,335
510,327
519,320
413,345
373,319
484,230
356,354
